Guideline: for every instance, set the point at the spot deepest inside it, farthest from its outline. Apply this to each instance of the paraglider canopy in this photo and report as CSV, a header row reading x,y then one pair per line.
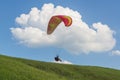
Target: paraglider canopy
x,y
56,20
57,58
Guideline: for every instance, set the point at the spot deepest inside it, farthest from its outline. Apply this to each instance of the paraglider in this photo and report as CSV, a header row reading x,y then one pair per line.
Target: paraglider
x,y
57,58
56,20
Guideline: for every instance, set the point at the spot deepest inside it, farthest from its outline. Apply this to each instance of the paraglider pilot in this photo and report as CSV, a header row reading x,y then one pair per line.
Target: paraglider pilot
x,y
57,58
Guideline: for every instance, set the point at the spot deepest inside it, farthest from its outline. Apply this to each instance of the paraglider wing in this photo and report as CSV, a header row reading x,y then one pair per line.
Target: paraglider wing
x,y
67,20
56,20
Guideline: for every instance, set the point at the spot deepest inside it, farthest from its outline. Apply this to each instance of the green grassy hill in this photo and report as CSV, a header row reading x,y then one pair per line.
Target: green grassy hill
x,y
22,69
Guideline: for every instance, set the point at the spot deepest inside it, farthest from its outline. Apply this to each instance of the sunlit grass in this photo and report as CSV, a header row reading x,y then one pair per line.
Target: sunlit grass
x,y
22,69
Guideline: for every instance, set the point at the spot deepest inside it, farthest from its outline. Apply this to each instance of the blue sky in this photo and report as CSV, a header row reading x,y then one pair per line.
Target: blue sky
x,y
91,11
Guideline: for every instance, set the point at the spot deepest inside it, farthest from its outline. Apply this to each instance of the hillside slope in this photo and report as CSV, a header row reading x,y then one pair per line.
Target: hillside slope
x,y
23,69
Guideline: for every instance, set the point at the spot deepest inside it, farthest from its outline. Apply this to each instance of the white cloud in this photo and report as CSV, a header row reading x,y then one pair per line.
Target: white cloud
x,y
116,52
63,62
32,37
78,38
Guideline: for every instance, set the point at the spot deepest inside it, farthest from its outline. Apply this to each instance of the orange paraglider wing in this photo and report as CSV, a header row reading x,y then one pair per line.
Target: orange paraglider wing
x,y
56,20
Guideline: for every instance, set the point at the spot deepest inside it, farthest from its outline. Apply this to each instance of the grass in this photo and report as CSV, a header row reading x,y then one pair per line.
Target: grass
x,y
23,69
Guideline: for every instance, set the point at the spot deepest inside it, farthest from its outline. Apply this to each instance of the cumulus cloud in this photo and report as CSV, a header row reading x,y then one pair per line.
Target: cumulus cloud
x,y
32,36
116,52
63,62
78,38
